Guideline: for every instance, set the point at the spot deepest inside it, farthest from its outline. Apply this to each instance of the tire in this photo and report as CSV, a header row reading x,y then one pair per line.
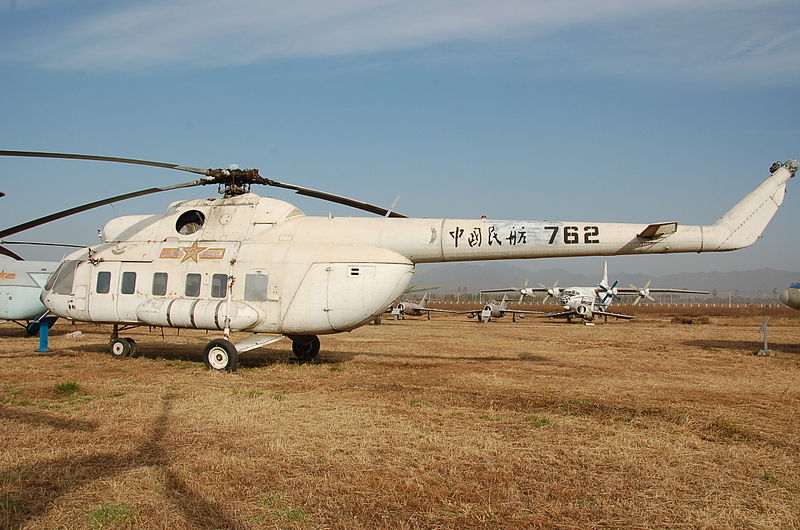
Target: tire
x,y
305,350
134,347
119,348
221,355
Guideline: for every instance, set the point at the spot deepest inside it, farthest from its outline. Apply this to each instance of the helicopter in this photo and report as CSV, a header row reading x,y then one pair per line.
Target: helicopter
x,y
242,262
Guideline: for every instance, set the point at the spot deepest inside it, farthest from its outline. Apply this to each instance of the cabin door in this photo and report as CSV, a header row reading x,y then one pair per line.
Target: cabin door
x,y
103,292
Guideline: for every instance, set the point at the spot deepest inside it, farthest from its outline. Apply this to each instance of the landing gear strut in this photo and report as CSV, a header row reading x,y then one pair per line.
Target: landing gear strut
x,y
305,347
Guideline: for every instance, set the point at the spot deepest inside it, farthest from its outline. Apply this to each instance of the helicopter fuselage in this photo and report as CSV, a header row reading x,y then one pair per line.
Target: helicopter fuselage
x,y
260,264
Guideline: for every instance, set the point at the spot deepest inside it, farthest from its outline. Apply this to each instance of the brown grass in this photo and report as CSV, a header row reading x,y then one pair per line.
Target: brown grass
x,y
442,423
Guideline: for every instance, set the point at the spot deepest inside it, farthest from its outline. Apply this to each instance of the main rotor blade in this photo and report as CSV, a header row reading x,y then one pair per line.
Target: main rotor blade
x,y
39,154
40,243
324,195
215,176
5,252
96,204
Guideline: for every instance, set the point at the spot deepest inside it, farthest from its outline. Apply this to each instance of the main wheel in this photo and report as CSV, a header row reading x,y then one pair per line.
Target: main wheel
x,y
134,347
306,350
119,348
221,354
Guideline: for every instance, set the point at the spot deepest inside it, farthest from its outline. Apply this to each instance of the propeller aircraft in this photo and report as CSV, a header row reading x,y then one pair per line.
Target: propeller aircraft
x,y
241,262
587,303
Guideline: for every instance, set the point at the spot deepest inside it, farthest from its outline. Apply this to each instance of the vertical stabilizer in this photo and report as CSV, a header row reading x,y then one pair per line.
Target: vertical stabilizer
x,y
744,223
604,281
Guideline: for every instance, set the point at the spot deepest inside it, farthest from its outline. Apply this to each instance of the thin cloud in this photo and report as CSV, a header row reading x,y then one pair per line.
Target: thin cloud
x,y
626,34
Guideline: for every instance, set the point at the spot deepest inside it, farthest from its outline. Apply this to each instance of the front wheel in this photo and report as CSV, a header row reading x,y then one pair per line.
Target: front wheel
x,y
305,350
221,355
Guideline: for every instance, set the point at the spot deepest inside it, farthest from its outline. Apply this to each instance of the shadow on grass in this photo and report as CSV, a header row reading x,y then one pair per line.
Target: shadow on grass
x,y
45,419
55,331
521,357
28,491
193,352
744,346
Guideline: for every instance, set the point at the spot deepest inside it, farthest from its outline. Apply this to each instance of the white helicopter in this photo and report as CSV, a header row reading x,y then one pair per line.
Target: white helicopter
x,y
587,303
242,262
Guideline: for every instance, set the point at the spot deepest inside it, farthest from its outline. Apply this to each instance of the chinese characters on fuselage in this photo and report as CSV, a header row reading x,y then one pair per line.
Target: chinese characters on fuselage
x,y
491,235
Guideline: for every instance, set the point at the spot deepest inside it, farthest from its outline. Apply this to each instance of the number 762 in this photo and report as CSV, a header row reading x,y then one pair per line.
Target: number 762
x,y
571,234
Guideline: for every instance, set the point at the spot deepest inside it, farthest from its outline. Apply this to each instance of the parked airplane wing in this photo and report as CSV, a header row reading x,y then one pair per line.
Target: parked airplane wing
x,y
615,315
633,290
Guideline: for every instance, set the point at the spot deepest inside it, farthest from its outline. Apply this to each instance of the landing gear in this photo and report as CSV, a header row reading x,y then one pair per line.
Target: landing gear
x,y
305,347
120,348
134,347
221,354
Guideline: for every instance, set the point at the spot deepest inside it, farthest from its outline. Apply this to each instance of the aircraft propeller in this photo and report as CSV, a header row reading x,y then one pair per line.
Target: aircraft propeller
x,y
609,292
231,182
522,292
553,291
643,292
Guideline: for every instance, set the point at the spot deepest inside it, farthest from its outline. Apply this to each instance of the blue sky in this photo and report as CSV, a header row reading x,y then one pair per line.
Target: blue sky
x,y
573,109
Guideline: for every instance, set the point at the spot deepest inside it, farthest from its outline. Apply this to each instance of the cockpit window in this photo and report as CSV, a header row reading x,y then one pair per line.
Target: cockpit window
x,y
62,279
190,222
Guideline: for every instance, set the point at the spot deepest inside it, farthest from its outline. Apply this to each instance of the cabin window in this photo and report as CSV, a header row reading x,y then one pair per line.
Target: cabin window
x,y
160,283
190,222
219,285
128,283
255,287
192,285
103,282
61,281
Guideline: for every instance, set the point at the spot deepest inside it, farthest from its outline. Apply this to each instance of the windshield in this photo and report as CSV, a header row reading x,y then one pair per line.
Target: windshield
x,y
62,279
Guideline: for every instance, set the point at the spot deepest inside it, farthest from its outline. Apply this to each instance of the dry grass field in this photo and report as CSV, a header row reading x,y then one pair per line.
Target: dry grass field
x,y
443,423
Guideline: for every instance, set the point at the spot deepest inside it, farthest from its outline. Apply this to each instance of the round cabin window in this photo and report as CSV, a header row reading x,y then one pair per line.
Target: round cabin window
x,y
190,222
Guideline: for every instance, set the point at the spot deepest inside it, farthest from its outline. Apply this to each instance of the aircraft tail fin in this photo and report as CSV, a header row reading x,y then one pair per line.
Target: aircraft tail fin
x,y
743,224
604,281
424,301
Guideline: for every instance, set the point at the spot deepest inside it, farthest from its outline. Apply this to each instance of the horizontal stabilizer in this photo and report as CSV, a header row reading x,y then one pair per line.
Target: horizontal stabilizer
x,y
657,230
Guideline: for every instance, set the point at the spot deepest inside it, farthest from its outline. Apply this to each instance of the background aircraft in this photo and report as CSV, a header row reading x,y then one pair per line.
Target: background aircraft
x,y
589,302
495,309
417,309
21,284
791,296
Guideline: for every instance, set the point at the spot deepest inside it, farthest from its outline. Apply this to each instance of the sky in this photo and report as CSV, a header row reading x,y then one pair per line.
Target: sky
x,y
603,110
